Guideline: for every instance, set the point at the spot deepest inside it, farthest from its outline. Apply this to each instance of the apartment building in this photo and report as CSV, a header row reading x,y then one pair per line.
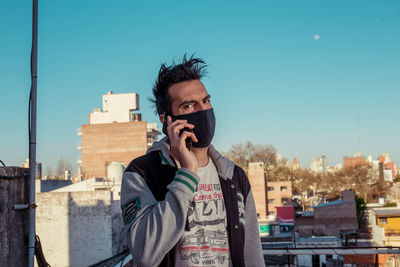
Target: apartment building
x,y
268,195
114,133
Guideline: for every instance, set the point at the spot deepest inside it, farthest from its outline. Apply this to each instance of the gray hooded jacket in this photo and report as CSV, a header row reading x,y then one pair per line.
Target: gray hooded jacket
x,y
154,225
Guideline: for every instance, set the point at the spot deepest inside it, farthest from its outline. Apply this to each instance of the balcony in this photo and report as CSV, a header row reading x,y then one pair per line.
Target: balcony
x,y
79,131
79,145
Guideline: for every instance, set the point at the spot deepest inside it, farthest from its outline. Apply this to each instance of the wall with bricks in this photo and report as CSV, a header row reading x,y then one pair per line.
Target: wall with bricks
x,y
343,210
105,143
78,228
330,218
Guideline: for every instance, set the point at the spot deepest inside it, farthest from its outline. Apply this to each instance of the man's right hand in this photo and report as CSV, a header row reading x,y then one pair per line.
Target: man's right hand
x,y
178,144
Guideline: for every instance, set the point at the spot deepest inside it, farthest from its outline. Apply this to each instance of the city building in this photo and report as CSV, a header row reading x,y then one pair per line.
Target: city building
x,y
329,219
258,184
295,165
114,133
316,242
388,165
278,194
319,165
324,162
386,232
315,165
356,160
112,182
386,226
268,195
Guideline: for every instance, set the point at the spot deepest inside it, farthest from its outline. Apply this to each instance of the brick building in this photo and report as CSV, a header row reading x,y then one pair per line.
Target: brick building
x,y
268,195
388,164
258,185
279,194
115,133
350,162
332,218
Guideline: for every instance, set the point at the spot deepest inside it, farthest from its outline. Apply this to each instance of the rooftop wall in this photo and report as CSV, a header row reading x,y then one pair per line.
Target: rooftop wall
x,y
79,228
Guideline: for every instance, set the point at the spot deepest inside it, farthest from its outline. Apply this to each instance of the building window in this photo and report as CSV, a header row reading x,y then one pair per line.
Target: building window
x,y
383,220
270,188
284,188
285,201
271,201
271,212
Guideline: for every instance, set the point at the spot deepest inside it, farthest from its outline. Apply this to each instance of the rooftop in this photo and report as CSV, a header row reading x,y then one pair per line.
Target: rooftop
x,y
387,212
336,202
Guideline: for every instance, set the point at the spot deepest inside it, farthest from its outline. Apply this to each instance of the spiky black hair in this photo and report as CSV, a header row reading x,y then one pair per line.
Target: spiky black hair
x,y
188,69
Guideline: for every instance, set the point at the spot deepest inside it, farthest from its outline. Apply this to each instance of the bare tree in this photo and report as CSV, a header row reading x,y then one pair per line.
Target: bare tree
x,y
49,172
244,153
280,173
60,168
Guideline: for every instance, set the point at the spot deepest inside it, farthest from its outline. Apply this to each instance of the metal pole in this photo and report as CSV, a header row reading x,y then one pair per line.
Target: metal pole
x,y
32,135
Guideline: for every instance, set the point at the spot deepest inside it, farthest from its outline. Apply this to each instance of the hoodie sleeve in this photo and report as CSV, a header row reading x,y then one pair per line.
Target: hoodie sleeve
x,y
253,255
154,227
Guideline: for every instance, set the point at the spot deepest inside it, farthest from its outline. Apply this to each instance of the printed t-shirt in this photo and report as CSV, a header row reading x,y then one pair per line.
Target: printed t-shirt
x,y
206,244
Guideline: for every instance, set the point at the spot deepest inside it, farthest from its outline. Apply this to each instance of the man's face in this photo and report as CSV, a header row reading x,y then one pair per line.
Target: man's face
x,y
188,97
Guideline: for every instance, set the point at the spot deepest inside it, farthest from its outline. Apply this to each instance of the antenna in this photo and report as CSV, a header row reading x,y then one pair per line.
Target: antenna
x,y
359,134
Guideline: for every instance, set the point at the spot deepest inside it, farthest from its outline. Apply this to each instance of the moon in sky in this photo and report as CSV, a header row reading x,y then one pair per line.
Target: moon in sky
x,y
316,37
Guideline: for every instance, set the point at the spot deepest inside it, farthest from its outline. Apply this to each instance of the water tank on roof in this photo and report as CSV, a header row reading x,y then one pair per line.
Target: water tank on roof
x,y
115,171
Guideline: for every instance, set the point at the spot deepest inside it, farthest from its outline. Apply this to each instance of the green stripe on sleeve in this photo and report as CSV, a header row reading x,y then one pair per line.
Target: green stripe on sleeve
x,y
188,176
185,183
164,159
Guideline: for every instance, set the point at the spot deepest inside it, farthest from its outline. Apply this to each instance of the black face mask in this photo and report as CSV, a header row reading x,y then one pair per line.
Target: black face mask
x,y
204,125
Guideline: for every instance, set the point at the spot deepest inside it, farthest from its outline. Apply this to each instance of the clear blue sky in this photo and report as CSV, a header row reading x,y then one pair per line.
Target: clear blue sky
x,y
271,79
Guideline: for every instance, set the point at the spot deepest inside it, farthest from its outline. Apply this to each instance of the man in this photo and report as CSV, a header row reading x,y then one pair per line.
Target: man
x,y
183,204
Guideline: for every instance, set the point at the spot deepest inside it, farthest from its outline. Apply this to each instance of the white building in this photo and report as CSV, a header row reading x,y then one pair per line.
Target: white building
x,y
316,165
116,108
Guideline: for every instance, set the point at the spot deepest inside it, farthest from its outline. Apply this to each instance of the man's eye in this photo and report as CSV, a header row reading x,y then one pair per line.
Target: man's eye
x,y
188,106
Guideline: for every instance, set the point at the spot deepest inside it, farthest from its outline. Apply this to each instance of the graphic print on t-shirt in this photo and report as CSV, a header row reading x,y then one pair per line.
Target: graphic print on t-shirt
x,y
206,244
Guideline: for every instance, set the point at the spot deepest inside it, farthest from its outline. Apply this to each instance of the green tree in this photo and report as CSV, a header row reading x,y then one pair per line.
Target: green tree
x,y
361,207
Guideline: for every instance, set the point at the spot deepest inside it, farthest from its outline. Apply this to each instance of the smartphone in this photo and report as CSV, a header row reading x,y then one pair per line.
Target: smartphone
x,y
165,125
